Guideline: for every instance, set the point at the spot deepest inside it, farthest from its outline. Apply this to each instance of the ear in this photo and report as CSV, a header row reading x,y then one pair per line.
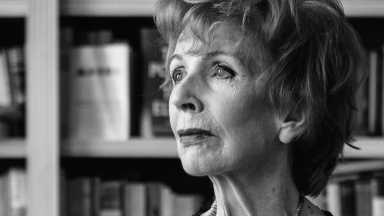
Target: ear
x,y
291,128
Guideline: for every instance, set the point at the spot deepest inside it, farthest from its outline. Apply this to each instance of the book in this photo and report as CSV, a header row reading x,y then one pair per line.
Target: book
x,y
5,87
153,199
16,68
66,44
347,195
99,92
333,199
16,186
377,195
3,196
382,93
79,199
361,115
135,199
166,201
373,104
155,114
110,200
363,195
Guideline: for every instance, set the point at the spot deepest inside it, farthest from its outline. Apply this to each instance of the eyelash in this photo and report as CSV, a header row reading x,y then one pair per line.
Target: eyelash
x,y
217,66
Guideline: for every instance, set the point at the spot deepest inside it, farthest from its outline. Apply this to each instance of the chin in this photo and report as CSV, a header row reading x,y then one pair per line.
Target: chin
x,y
198,167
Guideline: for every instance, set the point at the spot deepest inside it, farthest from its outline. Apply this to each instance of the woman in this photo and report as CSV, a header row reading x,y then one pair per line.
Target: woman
x,y
261,97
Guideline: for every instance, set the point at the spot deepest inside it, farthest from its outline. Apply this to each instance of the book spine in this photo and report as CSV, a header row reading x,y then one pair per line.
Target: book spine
x,y
110,202
372,94
155,115
99,103
79,202
5,87
16,69
17,192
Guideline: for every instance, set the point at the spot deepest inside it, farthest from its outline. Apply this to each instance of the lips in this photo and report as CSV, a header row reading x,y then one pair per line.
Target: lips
x,y
193,135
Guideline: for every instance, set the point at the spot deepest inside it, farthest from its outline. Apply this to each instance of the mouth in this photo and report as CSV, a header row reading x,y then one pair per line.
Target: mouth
x,y
193,135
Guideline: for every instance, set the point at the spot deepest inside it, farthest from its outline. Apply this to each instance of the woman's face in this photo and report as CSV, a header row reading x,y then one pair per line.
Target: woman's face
x,y
219,110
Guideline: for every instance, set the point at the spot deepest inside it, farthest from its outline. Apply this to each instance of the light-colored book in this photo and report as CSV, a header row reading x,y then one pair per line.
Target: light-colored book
x,y
99,87
16,192
5,88
135,199
333,198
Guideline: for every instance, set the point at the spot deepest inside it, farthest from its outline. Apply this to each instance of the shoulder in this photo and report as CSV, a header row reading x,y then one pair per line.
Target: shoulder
x,y
310,209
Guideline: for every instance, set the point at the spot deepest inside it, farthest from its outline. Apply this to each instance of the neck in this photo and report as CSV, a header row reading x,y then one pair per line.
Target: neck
x,y
263,191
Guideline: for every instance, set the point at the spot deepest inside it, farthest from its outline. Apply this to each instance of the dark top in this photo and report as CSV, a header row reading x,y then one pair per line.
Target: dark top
x,y
327,213
200,211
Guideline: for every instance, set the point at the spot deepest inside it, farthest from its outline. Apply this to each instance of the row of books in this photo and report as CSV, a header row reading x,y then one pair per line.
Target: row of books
x,y
357,194
12,91
92,196
370,97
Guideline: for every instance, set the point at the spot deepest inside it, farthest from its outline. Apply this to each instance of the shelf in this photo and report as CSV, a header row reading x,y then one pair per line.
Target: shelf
x,y
19,8
348,167
353,8
114,8
14,148
13,8
134,148
363,8
166,148
371,147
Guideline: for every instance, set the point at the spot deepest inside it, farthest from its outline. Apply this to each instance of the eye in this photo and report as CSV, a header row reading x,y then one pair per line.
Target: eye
x,y
177,75
223,72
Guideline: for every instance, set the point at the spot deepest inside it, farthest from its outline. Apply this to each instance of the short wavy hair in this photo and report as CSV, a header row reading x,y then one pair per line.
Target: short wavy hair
x,y
313,59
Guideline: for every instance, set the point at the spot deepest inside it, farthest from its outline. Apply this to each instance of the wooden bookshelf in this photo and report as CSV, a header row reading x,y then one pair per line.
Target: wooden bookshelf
x,y
13,8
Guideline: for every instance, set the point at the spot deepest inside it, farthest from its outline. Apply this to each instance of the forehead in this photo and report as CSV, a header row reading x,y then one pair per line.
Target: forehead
x,y
190,43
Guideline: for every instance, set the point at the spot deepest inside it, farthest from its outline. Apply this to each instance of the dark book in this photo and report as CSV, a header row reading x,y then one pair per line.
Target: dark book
x,y
154,115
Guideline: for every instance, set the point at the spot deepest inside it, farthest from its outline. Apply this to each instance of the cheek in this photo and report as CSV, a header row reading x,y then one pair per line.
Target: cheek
x,y
173,115
247,118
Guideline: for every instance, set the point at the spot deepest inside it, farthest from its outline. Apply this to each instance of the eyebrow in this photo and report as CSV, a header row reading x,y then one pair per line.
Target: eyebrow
x,y
208,56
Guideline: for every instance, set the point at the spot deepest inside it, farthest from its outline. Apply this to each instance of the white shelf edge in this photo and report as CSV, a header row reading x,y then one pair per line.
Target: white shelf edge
x,y
13,8
352,8
19,8
126,8
133,148
370,148
13,148
363,8
349,167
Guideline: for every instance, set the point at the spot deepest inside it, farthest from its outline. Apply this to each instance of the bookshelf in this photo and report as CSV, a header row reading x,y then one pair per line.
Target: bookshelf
x,y
43,149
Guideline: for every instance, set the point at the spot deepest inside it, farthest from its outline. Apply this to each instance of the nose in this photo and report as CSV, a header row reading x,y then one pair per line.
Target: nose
x,y
185,96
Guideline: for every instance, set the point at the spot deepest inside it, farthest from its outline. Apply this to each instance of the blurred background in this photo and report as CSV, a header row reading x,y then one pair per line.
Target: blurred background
x,y
84,127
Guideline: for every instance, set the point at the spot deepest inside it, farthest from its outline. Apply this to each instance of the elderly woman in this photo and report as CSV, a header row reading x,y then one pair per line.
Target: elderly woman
x,y
261,98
